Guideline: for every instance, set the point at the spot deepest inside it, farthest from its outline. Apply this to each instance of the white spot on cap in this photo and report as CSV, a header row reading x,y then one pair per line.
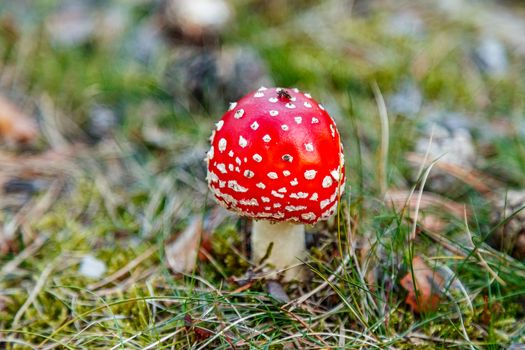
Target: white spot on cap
x,y
327,182
308,216
222,184
294,182
267,138
258,94
314,197
296,90
213,177
257,157
262,88
315,120
273,112
230,167
238,160
232,105
222,168
309,147
335,174
222,145
266,214
272,175
277,194
282,190
243,142
273,99
219,125
307,95
251,201
321,106
287,158
298,119
265,199
237,169
231,154
261,185
277,205
286,173
332,130
211,153
239,113
254,126
310,174
290,105
249,174
236,187
307,104
299,195
284,127
324,203
295,207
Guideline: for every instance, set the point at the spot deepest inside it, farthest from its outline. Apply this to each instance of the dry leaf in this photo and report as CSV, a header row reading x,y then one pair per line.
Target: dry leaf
x,y
425,294
15,126
181,254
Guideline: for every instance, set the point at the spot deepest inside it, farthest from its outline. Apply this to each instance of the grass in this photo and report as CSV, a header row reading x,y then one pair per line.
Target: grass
x,y
122,196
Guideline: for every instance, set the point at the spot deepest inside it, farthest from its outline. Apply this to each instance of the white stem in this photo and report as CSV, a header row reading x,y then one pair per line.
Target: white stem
x,y
288,249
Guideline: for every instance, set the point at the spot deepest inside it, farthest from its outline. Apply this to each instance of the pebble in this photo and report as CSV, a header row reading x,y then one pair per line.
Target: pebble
x,y
92,267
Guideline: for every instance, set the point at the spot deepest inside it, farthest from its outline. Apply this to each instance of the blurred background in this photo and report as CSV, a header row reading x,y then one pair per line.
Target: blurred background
x,y
106,108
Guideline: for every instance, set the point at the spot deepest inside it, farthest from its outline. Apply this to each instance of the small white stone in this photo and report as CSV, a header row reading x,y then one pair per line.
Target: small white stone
x,y
243,142
267,138
222,145
219,125
310,174
232,105
273,113
257,157
254,126
92,267
307,104
239,113
273,175
298,119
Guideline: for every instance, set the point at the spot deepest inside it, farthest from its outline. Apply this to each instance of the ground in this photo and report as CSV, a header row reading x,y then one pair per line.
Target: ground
x,y
106,109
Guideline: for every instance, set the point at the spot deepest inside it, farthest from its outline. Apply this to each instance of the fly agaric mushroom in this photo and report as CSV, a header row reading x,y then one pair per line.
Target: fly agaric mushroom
x,y
276,156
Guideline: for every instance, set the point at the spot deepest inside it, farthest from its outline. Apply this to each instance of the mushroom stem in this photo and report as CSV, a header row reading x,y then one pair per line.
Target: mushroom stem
x,y
289,248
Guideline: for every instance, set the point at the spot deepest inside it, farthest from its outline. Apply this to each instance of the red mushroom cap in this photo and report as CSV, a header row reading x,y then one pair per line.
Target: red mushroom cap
x,y
276,154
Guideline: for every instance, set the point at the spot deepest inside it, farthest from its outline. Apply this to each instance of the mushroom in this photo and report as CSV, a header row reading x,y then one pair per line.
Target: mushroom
x,y
276,156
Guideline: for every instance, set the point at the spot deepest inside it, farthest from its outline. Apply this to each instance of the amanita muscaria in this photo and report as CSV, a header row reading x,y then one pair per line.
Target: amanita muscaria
x,y
276,156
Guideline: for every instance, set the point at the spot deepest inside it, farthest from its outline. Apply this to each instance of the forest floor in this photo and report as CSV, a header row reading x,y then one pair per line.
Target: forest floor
x,y
109,238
